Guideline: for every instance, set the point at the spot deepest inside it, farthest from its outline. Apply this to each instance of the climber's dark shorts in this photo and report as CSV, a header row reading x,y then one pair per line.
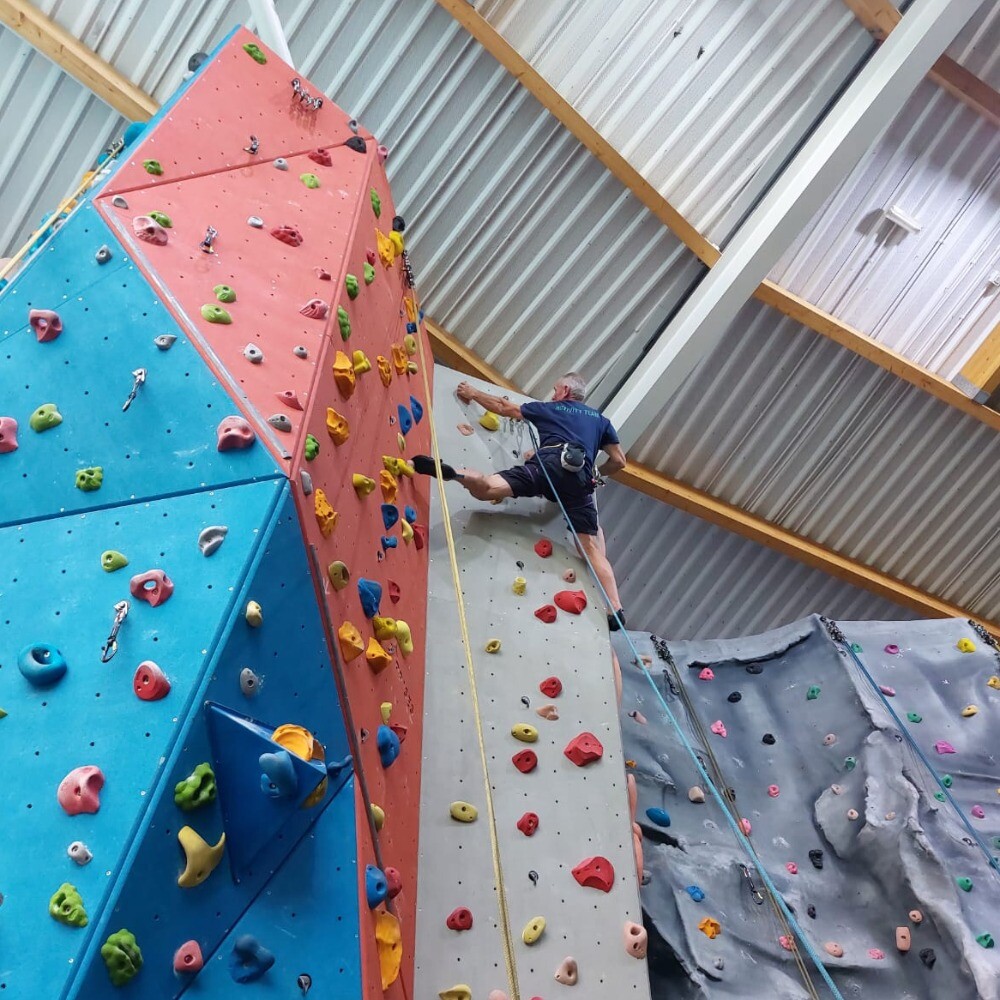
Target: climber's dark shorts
x,y
529,480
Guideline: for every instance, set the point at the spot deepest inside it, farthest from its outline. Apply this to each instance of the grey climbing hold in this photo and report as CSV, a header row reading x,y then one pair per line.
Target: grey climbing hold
x,y
249,682
253,354
816,857
164,341
768,738
281,163
119,202
103,255
304,983
256,221
211,538
307,482
280,422
811,911
300,352
720,964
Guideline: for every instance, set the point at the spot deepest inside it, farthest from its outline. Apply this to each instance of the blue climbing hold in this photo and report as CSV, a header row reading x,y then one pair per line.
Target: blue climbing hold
x,y
279,780
389,542
388,745
659,816
134,130
390,515
370,593
410,514
41,663
405,420
694,892
249,960
376,886
411,327
336,767
417,409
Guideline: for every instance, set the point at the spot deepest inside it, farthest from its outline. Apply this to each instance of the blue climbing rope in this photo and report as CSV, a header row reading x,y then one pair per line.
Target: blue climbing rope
x,y
703,773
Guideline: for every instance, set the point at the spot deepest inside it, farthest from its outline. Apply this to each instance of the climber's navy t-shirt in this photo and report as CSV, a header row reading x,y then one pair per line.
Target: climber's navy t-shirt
x,y
570,422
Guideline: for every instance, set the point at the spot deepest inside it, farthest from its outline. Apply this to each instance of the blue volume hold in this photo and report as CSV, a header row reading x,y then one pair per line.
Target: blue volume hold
x,y
659,816
418,410
405,420
279,780
388,745
376,886
249,960
41,663
370,593
390,515
410,514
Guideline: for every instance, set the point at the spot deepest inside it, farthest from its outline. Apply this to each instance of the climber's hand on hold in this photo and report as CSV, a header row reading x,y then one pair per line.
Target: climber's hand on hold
x,y
466,393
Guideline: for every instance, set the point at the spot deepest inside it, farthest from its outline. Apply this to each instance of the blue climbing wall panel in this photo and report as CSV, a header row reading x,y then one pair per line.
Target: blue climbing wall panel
x,y
54,590
164,444
289,656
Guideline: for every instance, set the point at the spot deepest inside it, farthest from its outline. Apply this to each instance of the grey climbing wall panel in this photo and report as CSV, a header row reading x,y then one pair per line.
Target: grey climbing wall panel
x,y
583,812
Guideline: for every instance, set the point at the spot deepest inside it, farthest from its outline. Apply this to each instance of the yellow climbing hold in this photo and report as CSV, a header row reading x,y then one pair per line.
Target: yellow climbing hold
x,y
490,421
393,464
412,368
326,516
712,928
385,710
401,442
200,857
397,241
343,374
520,585
464,812
389,486
410,344
459,992
406,530
406,469
351,643
386,248
404,637
361,363
378,816
378,659
493,646
337,426
533,930
254,615
385,628
969,711
994,682
298,740
966,646
525,733
363,486
389,943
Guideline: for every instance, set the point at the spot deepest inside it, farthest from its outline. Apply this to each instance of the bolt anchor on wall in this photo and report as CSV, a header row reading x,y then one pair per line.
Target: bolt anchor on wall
x,y
111,646
254,145
206,243
138,378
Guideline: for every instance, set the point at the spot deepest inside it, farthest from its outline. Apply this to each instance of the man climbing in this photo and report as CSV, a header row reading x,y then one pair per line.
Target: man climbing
x,y
570,435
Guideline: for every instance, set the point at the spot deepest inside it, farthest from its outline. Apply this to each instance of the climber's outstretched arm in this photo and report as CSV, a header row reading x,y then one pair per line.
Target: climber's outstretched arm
x,y
501,407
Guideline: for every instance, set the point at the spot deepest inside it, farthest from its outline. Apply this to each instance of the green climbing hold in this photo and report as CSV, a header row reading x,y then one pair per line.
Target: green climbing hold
x,y
856,646
939,796
965,884
352,286
162,218
813,693
196,790
310,180
947,780
45,418
66,906
850,763
3,713
369,274
913,717
112,559
216,314
996,843
225,293
152,167
345,322
122,957
986,940
312,447
376,203
90,479
254,52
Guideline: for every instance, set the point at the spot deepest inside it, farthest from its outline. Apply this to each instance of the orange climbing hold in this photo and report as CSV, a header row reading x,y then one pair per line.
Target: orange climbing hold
x,y
571,601
388,941
337,426
351,643
326,516
709,927
399,359
384,370
389,486
378,659
386,248
344,374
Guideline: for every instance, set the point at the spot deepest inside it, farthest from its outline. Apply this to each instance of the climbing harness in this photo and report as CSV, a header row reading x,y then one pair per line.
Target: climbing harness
x,y
110,647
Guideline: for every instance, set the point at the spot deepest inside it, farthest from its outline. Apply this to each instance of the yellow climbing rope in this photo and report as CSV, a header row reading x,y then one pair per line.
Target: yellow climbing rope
x,y
505,931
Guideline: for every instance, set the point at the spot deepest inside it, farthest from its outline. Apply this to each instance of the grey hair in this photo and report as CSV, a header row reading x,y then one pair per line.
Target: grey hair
x,y
576,384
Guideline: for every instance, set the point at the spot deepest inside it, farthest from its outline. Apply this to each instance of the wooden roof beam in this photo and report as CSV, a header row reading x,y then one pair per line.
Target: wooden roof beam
x,y
71,55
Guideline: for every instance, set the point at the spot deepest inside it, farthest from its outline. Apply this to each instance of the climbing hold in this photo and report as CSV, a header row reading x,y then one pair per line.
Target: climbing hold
x,y
234,434
915,916
490,421
787,942
568,972
249,959
41,664
658,816
966,646
376,887
876,953
122,957
525,761
584,749
978,812
389,943
744,825
393,881
903,939
595,873
344,322
816,858
350,641
546,613
112,559
551,687
119,202
969,711
8,435
459,992
300,351
80,791
378,816
215,314
460,919
834,949
636,939
520,585
147,229
889,692
405,420
384,370
943,747
994,682
709,927
410,343
774,791
290,398
914,717
363,486
965,884
45,418
311,447
852,814
719,728
200,857
385,628
310,180
493,646
254,614
388,484
255,221
549,712
315,309
376,202
278,779
928,957
149,682
378,659
188,959
79,852
387,743
696,794
288,235
792,868
528,824
326,516
66,906
404,637
370,594
224,293
280,163
46,323
197,789
280,422
103,255
253,354
390,515
829,739
850,763
947,780
695,893
986,940
533,930
768,738
90,479
336,426
755,668
707,674
571,601
525,733
249,682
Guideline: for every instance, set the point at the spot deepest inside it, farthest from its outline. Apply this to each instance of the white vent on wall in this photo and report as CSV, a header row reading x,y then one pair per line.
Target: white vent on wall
x,y
900,218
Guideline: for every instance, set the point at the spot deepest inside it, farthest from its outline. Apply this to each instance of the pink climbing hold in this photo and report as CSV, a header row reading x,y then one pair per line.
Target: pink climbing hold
x,y
371,257
147,229
707,674
149,682
551,687
719,728
792,868
382,152
636,939
584,749
321,156
892,649
287,234
290,398
571,601
528,824
460,919
80,791
8,435
877,953
546,613
745,826
979,812
787,942
543,547
154,587
46,324
233,434
188,959
315,309
569,575
595,873
887,691
322,273
393,881
774,791
943,746
525,761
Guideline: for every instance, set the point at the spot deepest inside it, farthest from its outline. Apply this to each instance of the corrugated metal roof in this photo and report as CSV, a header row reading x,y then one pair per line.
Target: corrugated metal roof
x,y
705,99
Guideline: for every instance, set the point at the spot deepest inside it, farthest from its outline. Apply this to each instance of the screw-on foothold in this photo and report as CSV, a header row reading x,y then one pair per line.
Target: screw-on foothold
x,y
253,354
210,538
300,352
79,852
533,930
164,341
249,682
965,884
119,202
280,422
813,693
280,163
256,221
568,972
103,255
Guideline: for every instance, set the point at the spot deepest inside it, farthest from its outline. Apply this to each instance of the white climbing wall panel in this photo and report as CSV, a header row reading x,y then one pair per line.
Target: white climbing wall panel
x,y
583,811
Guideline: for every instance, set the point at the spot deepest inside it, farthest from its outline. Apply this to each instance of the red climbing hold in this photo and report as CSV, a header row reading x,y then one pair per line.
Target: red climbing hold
x,y
551,687
546,613
188,959
287,234
460,919
322,157
419,536
595,873
400,730
543,547
584,749
394,592
528,824
394,882
525,761
150,682
572,601
371,257
154,587
46,324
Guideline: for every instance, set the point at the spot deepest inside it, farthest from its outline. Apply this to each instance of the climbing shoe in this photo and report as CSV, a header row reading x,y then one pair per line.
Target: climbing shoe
x,y
424,464
613,620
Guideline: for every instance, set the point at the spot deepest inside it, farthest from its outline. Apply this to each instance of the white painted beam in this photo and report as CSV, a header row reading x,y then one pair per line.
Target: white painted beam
x,y
269,29
848,131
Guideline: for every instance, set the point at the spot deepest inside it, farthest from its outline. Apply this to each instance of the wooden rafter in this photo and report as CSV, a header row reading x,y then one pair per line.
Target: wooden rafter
x,y
661,487
981,373
70,54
